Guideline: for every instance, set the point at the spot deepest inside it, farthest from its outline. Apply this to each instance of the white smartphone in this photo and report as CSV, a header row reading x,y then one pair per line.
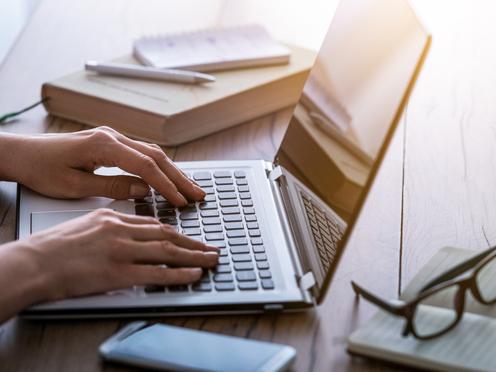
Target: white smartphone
x,y
162,347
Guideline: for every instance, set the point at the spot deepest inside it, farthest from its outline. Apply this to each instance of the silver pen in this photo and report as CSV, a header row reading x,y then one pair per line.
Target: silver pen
x,y
145,72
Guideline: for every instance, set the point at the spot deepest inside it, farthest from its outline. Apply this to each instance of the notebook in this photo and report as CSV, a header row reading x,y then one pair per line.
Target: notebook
x,y
470,346
212,50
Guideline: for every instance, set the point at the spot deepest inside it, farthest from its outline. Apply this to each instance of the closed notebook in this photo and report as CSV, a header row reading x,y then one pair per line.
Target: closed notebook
x,y
213,49
470,346
171,113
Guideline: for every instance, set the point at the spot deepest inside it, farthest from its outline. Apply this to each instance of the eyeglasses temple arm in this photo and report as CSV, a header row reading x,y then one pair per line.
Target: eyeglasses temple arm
x,y
383,304
458,269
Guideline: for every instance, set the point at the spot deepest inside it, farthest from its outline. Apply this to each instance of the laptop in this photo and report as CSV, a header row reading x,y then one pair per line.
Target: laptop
x,y
281,226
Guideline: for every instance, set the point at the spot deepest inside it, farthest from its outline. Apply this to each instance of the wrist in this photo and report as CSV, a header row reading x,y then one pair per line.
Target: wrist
x,y
11,148
21,264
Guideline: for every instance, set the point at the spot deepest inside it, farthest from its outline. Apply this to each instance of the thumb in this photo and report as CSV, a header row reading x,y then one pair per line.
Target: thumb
x,y
115,187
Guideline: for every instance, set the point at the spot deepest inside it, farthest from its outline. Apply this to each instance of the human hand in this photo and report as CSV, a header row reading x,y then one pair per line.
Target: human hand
x,y
106,250
62,166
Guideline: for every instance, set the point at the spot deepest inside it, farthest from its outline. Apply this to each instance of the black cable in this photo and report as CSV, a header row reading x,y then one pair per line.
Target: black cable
x,y
11,115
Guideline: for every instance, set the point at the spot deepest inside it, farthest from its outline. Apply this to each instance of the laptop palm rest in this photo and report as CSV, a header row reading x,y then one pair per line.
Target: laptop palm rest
x,y
44,220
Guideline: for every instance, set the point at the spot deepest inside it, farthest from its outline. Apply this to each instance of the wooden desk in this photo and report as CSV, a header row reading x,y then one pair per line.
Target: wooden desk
x,y
436,187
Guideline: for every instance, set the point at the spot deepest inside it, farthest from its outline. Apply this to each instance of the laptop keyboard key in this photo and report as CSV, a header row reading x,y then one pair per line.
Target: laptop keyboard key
x,y
225,188
209,213
224,261
239,174
254,233
222,174
223,278
218,243
227,195
144,210
228,203
237,249
248,210
188,216
214,236
168,220
241,182
222,269
224,286
258,249
247,203
205,183
244,195
267,284
232,218
234,226
190,223
264,274
191,231
238,241
211,221
231,210
260,257
241,258
251,218
223,181
166,213
201,287
209,198
212,229
202,176
262,265
236,234
209,190
245,286
246,276
256,241
252,225
208,205
240,266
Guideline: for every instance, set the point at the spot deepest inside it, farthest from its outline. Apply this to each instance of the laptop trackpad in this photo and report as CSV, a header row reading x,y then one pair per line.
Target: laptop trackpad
x,y
44,220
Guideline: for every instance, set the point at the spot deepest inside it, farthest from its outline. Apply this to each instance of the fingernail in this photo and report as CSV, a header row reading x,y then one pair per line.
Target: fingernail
x,y
138,189
212,248
197,271
213,257
199,190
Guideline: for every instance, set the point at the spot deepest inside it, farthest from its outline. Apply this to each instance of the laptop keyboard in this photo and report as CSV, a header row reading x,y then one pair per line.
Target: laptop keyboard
x,y
226,219
325,230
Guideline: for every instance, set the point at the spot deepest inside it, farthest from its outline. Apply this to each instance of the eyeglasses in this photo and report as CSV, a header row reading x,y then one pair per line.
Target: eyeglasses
x,y
477,274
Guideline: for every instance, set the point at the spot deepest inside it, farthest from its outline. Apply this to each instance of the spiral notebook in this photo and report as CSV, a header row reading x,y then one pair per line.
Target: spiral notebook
x,y
213,49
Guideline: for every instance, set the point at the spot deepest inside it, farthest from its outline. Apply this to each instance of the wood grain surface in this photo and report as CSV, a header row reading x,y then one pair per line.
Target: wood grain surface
x,y
434,189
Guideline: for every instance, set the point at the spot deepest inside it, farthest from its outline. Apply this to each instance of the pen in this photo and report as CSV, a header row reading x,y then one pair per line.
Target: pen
x,y
135,71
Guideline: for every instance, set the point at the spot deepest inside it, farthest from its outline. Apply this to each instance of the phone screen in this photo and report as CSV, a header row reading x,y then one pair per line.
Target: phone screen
x,y
195,350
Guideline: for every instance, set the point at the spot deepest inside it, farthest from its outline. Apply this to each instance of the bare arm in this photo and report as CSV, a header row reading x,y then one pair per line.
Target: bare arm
x,y
103,250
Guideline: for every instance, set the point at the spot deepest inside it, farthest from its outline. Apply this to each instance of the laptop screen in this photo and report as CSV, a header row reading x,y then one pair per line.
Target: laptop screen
x,y
352,101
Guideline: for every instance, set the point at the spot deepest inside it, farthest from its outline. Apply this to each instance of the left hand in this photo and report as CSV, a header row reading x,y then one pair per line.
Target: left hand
x,y
62,166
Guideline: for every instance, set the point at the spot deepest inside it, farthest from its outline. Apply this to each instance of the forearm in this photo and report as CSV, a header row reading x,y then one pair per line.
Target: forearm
x,y
11,156
20,279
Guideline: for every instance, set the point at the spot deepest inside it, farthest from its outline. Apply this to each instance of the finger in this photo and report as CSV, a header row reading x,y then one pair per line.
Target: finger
x,y
137,220
135,162
159,232
166,252
115,187
155,274
184,184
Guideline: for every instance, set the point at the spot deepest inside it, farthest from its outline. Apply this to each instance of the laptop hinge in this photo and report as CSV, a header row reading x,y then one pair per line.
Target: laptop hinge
x,y
273,308
307,281
276,173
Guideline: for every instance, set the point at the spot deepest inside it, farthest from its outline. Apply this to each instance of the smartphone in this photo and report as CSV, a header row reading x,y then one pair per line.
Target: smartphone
x,y
162,347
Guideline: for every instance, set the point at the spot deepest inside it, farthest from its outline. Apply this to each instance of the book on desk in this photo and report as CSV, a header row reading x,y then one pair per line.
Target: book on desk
x,y
171,113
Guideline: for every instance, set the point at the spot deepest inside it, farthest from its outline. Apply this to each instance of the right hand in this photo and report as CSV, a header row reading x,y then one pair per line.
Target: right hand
x,y
106,250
